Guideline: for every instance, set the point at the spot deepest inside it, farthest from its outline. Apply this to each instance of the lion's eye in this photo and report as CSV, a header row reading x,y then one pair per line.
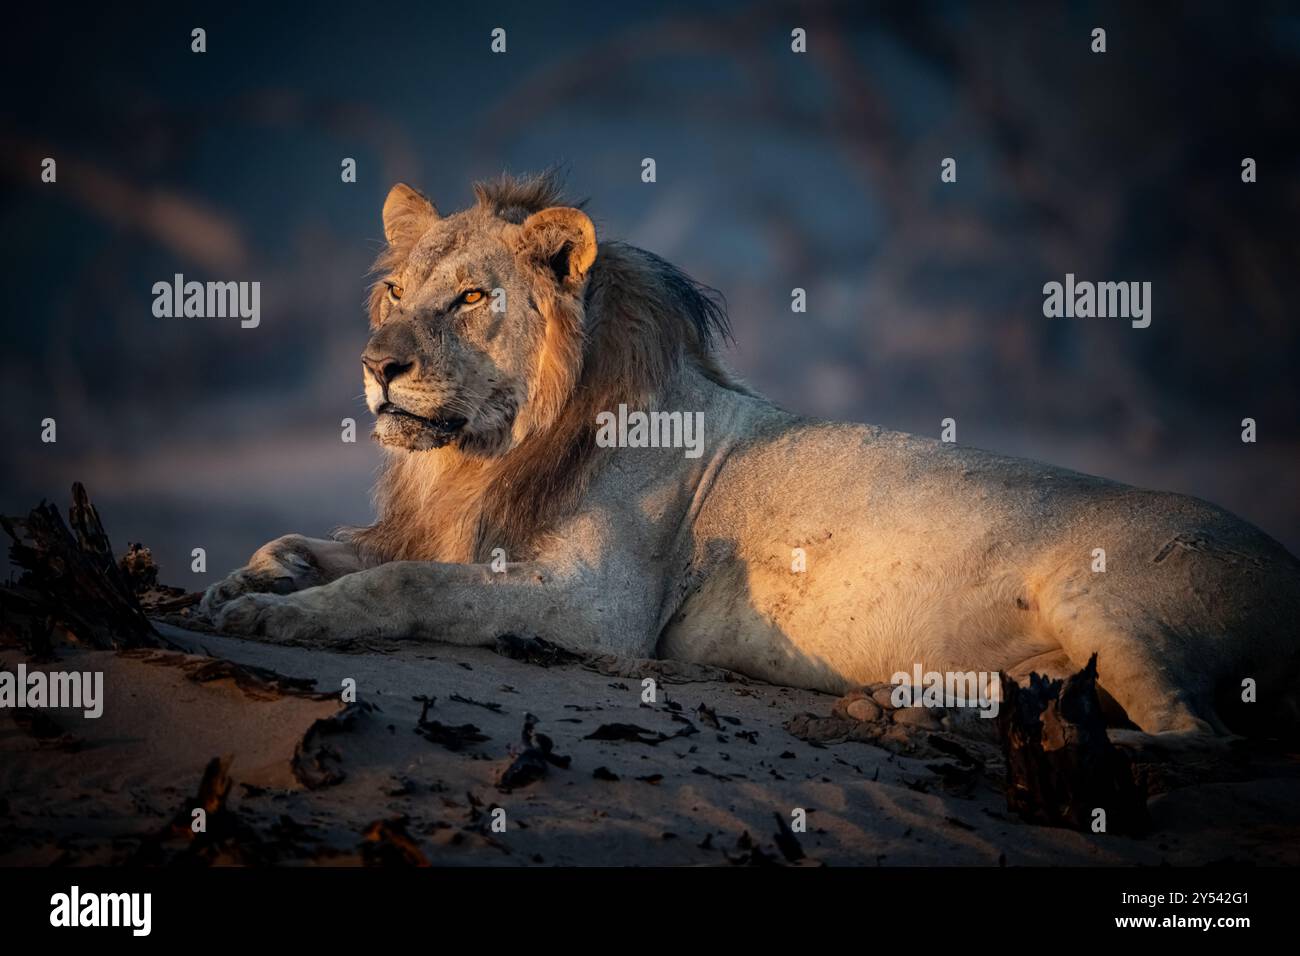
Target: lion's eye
x,y
394,291
472,296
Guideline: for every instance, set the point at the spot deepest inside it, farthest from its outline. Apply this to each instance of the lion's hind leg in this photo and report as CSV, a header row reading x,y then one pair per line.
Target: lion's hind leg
x,y
1192,742
1150,674
1056,664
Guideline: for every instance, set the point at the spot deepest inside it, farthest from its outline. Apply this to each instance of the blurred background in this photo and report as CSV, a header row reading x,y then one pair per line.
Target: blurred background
x,y
775,170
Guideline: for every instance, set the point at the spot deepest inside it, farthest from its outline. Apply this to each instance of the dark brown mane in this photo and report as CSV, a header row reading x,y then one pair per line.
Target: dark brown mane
x,y
639,321
515,198
639,332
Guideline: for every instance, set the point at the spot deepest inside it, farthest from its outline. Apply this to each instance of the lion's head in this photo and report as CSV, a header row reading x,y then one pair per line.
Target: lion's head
x,y
476,318
497,335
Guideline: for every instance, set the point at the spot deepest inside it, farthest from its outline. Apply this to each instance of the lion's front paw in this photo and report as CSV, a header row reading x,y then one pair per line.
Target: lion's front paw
x,y
238,614
282,566
282,618
226,590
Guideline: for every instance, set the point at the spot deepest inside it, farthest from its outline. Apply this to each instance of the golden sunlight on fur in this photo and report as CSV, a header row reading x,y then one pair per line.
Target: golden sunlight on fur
x,y
498,334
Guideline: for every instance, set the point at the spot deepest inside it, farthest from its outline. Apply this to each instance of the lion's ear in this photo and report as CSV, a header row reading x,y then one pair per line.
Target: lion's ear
x,y
563,238
407,214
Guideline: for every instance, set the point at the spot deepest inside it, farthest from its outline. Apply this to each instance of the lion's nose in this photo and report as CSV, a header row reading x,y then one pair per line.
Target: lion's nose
x,y
391,352
385,368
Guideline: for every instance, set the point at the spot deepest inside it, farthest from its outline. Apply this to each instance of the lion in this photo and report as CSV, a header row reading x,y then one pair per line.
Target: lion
x,y
813,554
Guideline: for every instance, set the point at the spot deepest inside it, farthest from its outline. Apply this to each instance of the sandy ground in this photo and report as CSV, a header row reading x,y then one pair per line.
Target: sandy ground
x,y
713,775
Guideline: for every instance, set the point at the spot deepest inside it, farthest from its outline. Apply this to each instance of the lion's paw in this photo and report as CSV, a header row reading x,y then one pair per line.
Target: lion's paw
x,y
238,614
226,590
276,617
869,703
282,566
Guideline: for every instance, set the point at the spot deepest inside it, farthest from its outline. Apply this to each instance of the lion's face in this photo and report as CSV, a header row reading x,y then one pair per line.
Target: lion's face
x,y
462,322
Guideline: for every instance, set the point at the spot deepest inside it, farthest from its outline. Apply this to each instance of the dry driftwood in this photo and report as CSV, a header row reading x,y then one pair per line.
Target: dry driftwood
x,y
1061,766
71,580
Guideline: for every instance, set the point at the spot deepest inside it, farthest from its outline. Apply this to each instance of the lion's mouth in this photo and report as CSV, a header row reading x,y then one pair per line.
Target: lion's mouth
x,y
432,432
448,426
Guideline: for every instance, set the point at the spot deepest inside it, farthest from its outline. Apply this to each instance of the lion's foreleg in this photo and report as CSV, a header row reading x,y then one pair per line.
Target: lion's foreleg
x,y
456,603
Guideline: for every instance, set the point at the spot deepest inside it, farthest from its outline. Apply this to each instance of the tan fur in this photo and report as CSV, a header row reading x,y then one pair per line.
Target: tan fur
x,y
918,552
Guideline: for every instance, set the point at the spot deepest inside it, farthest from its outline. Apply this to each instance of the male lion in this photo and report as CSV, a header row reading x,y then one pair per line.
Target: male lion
x,y
498,336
